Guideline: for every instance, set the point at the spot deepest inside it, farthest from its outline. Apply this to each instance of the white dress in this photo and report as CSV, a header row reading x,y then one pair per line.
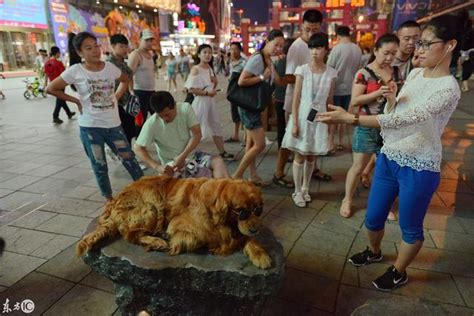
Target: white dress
x,y
205,106
313,137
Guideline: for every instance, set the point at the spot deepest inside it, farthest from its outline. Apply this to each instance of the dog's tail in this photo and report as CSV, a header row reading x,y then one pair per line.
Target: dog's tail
x,y
105,228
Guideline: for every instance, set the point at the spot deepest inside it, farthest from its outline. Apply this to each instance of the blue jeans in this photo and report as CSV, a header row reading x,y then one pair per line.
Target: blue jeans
x,y
93,139
414,190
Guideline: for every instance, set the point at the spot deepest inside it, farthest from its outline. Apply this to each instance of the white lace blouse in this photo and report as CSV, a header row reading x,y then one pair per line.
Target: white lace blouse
x,y
412,131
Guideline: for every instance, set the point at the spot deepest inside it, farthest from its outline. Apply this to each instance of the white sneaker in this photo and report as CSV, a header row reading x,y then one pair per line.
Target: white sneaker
x,y
306,196
298,199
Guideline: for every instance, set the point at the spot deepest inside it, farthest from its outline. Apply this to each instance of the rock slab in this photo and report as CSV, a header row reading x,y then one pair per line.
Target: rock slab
x,y
187,284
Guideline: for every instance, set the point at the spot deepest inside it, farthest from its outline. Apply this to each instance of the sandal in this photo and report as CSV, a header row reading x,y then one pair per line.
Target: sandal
x,y
283,182
331,152
321,176
365,181
260,183
339,147
345,209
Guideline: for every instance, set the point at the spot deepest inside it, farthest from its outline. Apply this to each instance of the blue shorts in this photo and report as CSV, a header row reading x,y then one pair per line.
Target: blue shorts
x,y
366,140
250,119
342,101
414,190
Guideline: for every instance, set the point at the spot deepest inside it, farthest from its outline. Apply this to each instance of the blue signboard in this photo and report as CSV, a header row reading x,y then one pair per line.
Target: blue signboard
x,y
405,10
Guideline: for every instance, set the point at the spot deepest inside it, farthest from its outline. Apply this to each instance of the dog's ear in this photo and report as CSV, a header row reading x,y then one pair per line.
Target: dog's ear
x,y
214,197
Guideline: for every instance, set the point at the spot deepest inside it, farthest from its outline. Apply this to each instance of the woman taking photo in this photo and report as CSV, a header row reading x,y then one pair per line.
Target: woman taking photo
x,y
99,121
408,165
370,84
259,68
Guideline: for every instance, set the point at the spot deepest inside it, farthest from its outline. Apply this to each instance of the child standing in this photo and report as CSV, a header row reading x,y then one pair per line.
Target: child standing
x,y
307,138
202,83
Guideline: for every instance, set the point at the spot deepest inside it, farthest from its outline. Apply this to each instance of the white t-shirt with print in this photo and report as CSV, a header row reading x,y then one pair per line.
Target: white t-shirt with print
x,y
299,54
96,91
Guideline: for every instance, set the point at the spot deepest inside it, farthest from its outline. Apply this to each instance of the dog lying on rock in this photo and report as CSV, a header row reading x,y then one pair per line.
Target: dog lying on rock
x,y
183,215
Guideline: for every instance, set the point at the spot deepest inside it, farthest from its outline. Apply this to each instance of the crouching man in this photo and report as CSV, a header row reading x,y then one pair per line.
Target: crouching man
x,y
176,133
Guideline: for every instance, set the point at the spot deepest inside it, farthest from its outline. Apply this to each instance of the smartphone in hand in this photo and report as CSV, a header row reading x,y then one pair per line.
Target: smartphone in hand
x,y
312,115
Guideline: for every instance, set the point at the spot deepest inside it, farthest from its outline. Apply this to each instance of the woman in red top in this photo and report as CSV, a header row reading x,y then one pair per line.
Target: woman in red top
x,y
370,83
52,69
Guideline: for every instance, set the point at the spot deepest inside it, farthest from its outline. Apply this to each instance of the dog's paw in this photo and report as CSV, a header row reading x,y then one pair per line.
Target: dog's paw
x,y
262,260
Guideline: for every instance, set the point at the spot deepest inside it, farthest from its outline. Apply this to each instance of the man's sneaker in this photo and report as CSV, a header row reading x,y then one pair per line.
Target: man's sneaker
x,y
70,116
57,121
365,257
390,280
226,156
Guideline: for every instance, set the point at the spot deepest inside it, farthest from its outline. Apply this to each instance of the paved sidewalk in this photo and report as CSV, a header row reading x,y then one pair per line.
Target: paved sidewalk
x,y
48,196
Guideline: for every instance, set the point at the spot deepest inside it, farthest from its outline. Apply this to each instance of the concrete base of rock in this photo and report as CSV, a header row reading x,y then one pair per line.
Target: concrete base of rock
x,y
191,284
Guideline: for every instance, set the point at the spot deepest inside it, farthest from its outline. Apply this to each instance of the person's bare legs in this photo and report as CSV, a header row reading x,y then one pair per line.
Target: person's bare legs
x,y
365,176
169,84
219,142
406,255
219,169
359,161
175,85
255,145
236,131
282,159
375,240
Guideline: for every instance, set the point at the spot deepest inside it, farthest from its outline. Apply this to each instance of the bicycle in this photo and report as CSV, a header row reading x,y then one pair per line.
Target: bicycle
x,y
33,89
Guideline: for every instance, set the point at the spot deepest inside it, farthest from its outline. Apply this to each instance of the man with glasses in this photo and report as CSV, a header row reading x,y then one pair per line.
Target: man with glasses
x,y
409,33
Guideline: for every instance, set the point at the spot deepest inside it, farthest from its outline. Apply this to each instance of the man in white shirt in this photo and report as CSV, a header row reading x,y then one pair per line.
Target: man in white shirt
x,y
409,33
345,57
298,54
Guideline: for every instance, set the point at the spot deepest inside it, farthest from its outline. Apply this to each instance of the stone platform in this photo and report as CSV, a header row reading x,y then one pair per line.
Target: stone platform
x,y
187,284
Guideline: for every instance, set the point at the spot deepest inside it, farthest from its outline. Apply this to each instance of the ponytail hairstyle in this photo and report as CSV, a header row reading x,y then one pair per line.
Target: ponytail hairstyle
x,y
74,57
271,36
384,39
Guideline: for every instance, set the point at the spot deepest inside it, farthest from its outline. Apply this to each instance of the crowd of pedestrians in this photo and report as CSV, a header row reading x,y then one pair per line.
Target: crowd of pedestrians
x,y
395,103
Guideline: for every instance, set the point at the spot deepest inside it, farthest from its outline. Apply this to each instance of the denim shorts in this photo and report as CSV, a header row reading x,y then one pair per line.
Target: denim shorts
x,y
250,119
366,140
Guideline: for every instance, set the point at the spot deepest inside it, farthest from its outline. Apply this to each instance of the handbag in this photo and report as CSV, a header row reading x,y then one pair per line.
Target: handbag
x,y
252,98
133,105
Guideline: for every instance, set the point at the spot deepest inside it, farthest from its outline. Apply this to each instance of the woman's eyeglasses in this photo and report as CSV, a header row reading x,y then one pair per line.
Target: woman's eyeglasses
x,y
425,45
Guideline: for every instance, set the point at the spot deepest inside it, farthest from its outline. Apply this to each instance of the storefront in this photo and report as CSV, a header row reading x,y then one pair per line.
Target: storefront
x,y
23,31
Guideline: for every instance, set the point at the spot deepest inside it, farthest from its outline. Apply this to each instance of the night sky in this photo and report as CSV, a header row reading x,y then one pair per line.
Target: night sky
x,y
257,10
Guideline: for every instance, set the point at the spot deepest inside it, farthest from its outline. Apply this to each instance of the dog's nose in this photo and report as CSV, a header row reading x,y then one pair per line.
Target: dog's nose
x,y
253,231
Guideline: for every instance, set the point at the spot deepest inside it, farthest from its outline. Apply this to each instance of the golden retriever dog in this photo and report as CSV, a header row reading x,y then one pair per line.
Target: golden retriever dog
x,y
183,215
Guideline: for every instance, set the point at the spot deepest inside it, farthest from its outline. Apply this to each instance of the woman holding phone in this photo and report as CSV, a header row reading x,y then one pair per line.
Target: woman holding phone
x,y
408,166
370,83
314,89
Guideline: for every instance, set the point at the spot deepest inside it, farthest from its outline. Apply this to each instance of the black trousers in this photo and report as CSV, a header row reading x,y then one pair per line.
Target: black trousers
x,y
128,124
61,104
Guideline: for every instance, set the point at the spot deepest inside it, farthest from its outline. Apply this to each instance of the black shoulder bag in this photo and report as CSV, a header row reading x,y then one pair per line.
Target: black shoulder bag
x,y
251,98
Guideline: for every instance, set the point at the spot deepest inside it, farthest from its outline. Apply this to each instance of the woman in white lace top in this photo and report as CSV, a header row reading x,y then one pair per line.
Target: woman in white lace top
x,y
409,163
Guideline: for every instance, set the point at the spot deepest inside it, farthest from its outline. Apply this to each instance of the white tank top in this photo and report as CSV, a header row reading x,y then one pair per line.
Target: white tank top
x,y
144,78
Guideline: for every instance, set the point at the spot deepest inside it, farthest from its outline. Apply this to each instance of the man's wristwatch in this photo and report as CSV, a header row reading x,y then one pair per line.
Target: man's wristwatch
x,y
262,77
355,122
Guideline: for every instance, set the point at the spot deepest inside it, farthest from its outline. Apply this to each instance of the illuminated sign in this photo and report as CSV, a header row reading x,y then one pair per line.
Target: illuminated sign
x,y
23,13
